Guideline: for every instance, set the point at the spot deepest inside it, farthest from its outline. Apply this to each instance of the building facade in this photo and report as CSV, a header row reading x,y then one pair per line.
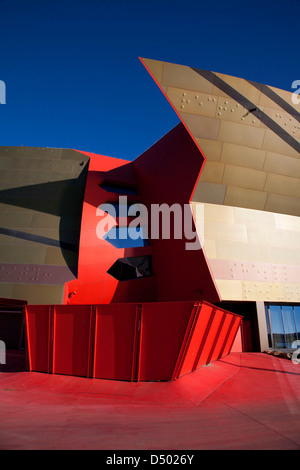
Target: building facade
x,y
233,160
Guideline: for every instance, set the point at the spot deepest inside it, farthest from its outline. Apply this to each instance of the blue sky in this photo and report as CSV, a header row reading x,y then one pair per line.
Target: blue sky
x,y
73,76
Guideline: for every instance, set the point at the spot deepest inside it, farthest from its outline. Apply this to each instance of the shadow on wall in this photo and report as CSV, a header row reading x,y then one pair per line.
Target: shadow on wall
x,y
62,198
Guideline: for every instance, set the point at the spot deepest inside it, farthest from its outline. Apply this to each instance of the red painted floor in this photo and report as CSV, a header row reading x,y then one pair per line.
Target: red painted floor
x,y
244,401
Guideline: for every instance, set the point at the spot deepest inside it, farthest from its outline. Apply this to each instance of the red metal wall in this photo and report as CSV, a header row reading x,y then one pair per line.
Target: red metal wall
x,y
115,345
168,173
132,342
165,174
96,255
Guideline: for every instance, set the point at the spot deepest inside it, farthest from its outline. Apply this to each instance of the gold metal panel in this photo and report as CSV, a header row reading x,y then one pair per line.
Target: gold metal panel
x,y
155,67
241,134
17,254
36,294
230,290
244,177
193,102
212,172
264,100
274,143
32,152
240,85
240,155
254,218
228,133
21,178
283,239
6,290
55,256
224,231
209,192
284,256
285,120
201,126
264,291
56,233
292,292
52,233
15,209
210,248
240,251
16,220
45,221
283,204
220,213
231,110
180,76
287,222
260,253
68,168
6,240
249,271
211,148
22,242
243,197
283,185
282,164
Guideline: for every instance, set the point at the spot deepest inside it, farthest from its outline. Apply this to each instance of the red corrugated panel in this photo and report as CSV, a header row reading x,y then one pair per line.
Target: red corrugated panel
x,y
222,337
196,334
209,338
115,341
148,342
37,321
71,339
163,329
236,323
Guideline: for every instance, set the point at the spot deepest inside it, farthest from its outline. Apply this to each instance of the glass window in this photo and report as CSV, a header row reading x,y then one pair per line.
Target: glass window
x,y
126,237
277,327
126,269
297,319
283,325
289,325
268,327
118,188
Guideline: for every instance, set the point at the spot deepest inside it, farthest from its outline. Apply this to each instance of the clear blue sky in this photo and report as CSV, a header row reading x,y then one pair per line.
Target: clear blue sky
x,y
74,80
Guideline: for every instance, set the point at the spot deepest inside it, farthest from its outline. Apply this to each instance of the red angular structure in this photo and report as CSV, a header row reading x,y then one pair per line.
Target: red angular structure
x,y
165,174
100,303
154,326
156,341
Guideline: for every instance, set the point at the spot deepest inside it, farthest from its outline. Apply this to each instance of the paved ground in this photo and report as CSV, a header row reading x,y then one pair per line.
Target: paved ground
x,y
244,401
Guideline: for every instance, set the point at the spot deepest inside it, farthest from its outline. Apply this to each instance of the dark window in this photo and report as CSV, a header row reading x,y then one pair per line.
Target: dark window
x,y
126,269
118,188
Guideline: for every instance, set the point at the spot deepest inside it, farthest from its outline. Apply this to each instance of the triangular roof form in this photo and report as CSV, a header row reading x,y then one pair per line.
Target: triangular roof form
x,y
248,132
